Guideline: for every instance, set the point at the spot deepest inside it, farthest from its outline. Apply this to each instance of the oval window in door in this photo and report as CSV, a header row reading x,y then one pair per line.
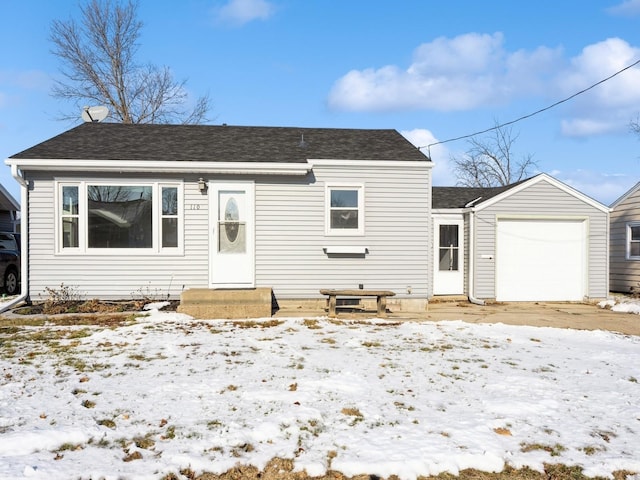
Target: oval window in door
x,y
231,220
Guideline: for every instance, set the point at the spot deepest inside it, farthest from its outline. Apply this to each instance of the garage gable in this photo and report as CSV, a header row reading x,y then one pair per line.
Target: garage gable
x,y
541,178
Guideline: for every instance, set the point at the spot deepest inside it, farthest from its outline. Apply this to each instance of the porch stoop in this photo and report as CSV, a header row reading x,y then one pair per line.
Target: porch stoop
x,y
204,303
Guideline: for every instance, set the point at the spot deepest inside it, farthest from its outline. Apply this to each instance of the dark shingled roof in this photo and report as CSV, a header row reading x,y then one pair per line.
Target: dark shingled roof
x,y
115,141
458,197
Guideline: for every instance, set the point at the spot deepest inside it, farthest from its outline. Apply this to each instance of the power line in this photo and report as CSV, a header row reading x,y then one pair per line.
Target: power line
x,y
531,114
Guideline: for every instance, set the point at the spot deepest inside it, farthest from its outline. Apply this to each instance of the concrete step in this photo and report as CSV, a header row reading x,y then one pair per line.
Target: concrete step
x,y
205,303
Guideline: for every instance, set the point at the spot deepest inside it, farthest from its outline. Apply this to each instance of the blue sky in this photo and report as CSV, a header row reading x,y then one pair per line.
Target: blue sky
x,y
432,70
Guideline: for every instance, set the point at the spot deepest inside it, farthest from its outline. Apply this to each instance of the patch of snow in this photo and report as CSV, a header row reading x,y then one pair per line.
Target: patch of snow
x,y
156,305
371,397
621,304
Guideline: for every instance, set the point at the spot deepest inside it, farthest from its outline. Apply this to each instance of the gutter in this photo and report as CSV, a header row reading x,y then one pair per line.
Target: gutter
x,y
472,261
24,232
177,166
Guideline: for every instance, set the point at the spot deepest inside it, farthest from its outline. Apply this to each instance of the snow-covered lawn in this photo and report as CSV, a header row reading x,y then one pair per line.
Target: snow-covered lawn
x,y
169,392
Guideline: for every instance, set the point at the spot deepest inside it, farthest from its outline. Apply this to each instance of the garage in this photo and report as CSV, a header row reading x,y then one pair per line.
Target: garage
x,y
541,259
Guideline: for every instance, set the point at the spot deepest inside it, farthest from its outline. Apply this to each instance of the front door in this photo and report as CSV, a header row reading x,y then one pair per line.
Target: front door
x,y
232,235
449,256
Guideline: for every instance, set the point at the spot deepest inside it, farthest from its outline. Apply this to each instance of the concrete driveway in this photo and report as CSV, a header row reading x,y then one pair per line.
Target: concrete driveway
x,y
563,315
581,316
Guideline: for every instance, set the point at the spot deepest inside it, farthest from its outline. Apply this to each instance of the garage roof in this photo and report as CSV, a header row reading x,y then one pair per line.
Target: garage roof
x,y
460,197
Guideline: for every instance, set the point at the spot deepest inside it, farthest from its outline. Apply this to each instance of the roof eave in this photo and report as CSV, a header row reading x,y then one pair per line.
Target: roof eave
x,y
236,168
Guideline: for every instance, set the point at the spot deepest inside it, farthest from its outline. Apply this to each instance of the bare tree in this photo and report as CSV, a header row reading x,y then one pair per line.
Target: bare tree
x,y
490,161
99,67
634,125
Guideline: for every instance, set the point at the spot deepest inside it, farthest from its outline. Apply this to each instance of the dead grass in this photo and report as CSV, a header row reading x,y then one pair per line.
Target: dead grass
x,y
70,320
277,468
282,469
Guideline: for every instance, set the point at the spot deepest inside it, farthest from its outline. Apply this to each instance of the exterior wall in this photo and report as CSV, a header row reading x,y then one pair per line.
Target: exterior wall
x,y
290,236
624,274
114,276
541,199
290,233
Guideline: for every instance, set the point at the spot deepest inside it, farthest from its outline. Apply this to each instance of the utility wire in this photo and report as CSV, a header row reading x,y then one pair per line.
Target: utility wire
x,y
530,114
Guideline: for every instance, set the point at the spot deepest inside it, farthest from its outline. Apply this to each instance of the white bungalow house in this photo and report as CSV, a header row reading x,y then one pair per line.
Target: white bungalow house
x,y
116,208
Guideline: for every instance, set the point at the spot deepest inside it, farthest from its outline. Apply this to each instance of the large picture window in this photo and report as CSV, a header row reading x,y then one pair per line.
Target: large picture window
x,y
98,217
120,216
633,241
345,209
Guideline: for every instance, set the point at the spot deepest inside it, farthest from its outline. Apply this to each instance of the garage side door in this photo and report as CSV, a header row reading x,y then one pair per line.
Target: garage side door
x,y
541,260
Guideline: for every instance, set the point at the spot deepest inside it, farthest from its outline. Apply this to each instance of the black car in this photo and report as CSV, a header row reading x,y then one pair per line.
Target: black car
x,y
10,262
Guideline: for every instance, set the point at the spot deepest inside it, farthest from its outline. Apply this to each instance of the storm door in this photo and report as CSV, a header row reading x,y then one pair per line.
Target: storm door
x,y
449,256
232,242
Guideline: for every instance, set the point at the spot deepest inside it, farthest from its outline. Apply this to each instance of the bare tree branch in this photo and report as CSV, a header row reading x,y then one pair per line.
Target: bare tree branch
x,y
99,67
490,162
634,125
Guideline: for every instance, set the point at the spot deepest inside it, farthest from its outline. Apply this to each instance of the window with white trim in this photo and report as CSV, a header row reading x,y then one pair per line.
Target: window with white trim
x,y
633,241
344,209
97,217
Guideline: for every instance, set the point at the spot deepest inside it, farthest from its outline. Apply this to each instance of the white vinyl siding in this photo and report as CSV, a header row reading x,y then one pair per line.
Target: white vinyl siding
x,y
290,237
624,271
541,200
115,276
290,230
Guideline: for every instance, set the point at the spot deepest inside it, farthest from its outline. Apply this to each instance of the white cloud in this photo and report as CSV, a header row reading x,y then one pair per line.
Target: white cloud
x,y
447,74
628,8
239,12
439,154
604,187
474,70
609,106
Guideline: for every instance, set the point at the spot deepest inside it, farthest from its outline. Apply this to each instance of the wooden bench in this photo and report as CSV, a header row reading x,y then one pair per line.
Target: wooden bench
x,y
381,297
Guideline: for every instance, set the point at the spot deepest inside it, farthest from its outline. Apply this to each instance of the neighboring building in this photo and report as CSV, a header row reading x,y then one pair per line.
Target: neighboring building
x,y
9,212
536,240
624,246
117,209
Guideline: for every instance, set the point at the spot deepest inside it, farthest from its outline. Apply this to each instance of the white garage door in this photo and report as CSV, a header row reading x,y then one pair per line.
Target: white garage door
x,y
540,260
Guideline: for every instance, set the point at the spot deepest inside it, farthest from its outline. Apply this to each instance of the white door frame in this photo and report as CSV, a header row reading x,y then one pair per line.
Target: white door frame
x,y
448,282
232,269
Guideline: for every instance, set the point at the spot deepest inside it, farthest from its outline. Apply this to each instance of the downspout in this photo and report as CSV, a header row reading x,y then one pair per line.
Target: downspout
x,y
472,260
24,233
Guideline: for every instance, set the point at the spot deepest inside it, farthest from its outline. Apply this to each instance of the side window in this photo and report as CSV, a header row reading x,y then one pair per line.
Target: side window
x,y
70,217
633,241
169,216
448,248
345,210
